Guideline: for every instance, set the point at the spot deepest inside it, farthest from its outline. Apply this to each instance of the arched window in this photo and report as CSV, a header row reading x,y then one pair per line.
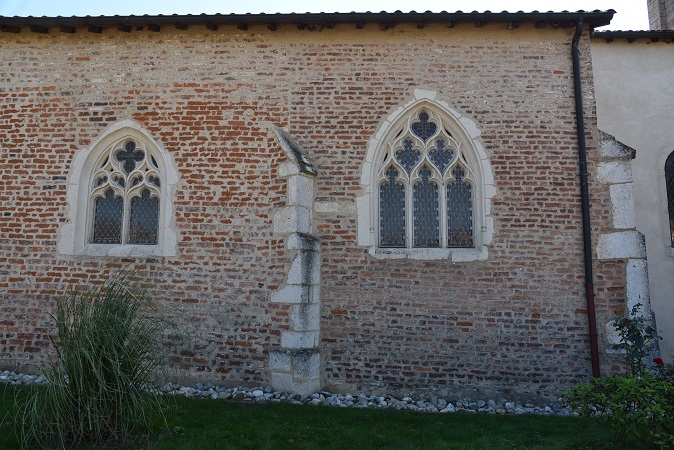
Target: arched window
x,y
119,197
669,181
125,194
427,186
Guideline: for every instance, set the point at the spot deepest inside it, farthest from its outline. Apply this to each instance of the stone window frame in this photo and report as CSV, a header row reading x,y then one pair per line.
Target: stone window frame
x,y
466,133
75,235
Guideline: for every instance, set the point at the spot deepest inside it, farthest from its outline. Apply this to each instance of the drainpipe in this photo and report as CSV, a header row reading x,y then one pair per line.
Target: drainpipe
x,y
585,199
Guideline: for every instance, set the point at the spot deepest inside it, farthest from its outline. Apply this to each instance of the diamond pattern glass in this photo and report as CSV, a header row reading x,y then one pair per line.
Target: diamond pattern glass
x,y
434,209
424,129
144,219
108,219
129,156
441,156
426,214
407,156
391,211
459,211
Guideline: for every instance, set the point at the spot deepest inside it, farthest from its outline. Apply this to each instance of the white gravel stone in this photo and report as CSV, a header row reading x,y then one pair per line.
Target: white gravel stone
x,y
349,400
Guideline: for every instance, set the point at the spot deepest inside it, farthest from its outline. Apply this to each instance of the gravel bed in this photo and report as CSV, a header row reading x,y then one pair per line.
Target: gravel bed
x,y
266,394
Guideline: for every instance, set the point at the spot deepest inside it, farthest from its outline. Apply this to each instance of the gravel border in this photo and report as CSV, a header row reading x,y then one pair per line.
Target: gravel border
x,y
266,394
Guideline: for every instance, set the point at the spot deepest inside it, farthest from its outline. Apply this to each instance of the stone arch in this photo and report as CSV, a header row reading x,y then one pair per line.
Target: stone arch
x,y
74,235
466,133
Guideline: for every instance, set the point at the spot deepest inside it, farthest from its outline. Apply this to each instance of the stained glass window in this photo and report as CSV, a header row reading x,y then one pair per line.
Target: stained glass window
x,y
441,156
129,157
407,156
426,214
108,219
126,192
669,181
144,219
423,128
424,168
392,211
459,211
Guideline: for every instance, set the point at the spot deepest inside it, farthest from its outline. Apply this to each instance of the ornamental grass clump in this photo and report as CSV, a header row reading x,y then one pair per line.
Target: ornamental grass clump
x,y
101,382
637,407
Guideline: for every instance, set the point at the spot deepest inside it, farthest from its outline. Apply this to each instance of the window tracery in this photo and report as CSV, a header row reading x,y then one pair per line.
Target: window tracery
x,y
120,197
125,196
426,188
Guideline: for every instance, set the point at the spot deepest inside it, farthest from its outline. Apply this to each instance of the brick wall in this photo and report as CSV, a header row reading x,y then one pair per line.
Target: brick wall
x,y
515,323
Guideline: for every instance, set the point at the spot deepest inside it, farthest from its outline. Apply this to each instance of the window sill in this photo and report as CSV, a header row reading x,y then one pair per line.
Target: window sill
x,y
430,254
116,250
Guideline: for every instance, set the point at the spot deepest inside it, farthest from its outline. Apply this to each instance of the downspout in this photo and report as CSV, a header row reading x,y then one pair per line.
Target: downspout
x,y
585,200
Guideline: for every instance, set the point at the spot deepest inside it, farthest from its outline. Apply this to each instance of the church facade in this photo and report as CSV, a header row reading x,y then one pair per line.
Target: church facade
x,y
390,201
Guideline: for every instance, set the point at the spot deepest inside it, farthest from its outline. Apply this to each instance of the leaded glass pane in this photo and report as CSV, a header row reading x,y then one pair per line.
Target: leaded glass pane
x,y
407,156
144,219
459,211
669,180
441,156
391,211
424,129
129,156
108,219
426,215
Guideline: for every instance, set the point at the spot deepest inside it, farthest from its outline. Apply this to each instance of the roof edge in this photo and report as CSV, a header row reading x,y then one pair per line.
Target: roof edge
x,y
632,35
594,18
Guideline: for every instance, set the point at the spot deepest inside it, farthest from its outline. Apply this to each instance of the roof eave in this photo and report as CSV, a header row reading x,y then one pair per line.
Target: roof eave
x,y
593,18
633,35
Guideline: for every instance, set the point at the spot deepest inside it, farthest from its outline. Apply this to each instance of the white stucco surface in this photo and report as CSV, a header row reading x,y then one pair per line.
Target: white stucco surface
x,y
634,87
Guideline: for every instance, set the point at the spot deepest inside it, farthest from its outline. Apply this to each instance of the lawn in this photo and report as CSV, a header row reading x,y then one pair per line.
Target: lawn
x,y
212,424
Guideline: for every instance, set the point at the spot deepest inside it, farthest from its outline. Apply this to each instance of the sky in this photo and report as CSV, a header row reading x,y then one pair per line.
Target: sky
x,y
630,14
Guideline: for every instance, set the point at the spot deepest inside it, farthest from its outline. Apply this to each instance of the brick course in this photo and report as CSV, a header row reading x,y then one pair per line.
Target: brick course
x,y
515,323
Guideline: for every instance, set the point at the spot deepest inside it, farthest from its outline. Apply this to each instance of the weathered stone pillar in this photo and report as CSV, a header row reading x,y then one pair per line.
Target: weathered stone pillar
x,y
295,366
624,241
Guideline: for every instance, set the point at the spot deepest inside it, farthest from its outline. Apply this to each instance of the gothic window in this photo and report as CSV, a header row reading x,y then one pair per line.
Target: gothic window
x,y
426,187
119,197
669,181
125,196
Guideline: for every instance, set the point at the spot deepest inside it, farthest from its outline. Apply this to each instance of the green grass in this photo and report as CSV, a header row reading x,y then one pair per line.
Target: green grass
x,y
210,424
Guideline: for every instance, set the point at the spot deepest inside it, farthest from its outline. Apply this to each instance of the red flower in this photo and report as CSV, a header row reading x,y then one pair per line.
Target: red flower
x,y
658,361
628,321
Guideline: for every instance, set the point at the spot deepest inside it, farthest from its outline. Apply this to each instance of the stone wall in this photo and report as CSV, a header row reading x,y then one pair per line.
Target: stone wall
x,y
661,14
634,106
515,323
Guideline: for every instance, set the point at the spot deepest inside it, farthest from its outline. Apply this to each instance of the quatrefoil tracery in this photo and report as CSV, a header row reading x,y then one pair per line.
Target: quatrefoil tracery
x,y
128,170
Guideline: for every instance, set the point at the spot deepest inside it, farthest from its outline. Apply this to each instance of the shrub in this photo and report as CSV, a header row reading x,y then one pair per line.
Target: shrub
x,y
639,405
637,340
101,380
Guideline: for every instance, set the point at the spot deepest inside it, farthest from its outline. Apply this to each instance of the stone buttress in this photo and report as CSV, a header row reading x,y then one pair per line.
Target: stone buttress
x,y
295,365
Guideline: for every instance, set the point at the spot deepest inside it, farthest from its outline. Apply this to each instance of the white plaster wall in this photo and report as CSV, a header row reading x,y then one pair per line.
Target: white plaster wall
x,y
634,86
